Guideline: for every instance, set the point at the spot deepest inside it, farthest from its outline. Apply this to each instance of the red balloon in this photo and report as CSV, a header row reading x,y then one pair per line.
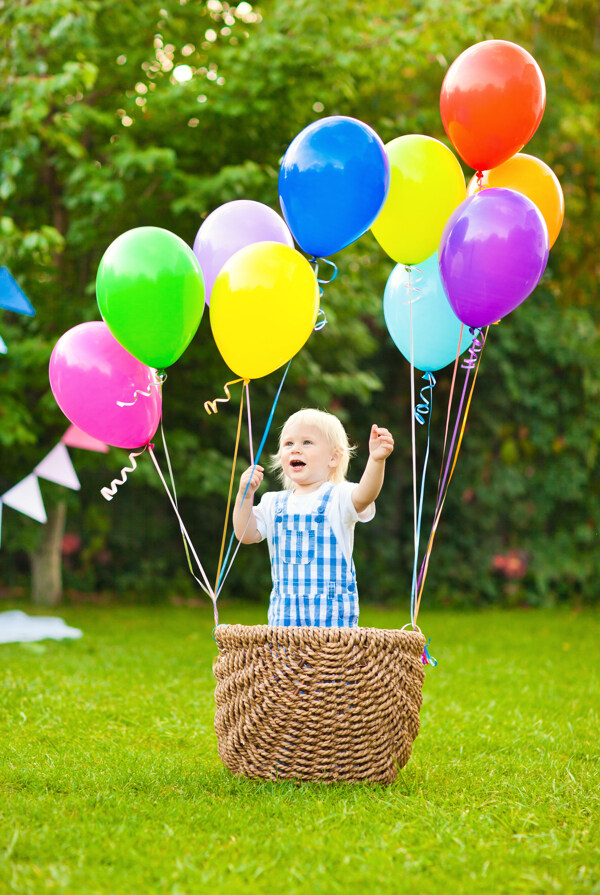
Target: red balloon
x,y
492,101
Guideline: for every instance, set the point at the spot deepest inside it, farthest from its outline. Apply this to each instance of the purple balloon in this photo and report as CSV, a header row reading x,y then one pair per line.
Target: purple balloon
x,y
493,252
232,227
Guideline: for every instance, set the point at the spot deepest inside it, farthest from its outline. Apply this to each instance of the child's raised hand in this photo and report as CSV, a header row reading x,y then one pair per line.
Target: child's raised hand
x,y
381,443
254,475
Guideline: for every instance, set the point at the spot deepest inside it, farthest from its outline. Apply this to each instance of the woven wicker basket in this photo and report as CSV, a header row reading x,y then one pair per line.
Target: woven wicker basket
x,y
317,703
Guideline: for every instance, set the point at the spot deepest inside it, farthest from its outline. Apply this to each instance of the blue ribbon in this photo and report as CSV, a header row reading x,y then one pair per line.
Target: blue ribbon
x,y
315,262
256,459
427,657
322,322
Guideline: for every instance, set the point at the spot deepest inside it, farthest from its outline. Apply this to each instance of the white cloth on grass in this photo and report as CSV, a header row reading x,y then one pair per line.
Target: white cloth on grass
x,y
18,627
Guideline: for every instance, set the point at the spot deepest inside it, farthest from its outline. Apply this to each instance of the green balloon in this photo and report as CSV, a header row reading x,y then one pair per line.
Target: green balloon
x,y
150,293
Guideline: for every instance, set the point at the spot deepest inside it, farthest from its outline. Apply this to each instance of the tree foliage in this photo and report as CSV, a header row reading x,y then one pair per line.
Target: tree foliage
x,y
100,132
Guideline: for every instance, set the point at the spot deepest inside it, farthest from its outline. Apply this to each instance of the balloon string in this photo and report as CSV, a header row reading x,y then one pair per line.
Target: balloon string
x,y
448,414
438,513
206,586
422,410
444,480
172,478
412,422
212,406
250,439
467,364
231,482
110,491
227,568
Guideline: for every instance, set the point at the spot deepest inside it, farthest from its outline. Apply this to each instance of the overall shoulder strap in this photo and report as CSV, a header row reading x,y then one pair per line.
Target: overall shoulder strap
x,y
325,498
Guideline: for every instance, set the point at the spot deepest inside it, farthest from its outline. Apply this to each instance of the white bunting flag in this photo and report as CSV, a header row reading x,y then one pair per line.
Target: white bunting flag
x,y
26,497
57,467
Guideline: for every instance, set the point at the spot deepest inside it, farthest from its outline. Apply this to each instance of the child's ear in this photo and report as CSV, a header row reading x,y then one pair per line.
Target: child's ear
x,y
336,456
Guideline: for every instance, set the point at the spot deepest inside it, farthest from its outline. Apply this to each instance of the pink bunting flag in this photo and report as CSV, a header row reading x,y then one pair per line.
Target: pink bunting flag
x,y
26,498
77,438
57,467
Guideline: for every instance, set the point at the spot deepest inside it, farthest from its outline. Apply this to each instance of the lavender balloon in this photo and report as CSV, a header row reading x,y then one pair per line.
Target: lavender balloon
x,y
493,252
232,227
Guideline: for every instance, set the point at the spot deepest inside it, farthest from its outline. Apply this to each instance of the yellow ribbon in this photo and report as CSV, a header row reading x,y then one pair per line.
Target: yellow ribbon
x,y
235,453
211,406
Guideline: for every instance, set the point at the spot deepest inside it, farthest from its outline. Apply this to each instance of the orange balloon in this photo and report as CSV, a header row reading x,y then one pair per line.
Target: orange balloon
x,y
492,101
536,180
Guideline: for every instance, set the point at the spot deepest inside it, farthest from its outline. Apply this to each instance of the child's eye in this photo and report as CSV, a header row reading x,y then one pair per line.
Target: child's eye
x,y
307,441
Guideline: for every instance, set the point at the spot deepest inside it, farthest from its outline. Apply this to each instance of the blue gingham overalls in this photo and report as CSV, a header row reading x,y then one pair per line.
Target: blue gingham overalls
x,y
313,584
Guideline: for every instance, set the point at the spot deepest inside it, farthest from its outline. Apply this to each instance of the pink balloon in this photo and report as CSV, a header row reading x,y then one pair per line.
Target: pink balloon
x,y
232,227
89,372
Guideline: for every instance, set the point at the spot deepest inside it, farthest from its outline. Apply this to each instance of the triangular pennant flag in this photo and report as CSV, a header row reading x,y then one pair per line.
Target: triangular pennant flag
x,y
26,498
57,467
12,297
3,348
77,438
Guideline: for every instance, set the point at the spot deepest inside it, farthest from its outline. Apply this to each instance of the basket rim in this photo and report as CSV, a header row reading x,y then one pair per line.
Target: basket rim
x,y
228,636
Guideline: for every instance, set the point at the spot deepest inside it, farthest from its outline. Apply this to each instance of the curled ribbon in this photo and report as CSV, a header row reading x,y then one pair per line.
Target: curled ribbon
x,y
147,394
410,286
320,323
422,409
212,406
427,658
161,377
315,263
109,492
470,362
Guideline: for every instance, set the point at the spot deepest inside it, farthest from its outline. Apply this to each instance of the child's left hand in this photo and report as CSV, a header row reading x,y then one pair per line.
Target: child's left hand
x,y
381,443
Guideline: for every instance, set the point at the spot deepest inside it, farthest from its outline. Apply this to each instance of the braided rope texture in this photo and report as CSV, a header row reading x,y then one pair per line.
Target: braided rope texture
x,y
317,703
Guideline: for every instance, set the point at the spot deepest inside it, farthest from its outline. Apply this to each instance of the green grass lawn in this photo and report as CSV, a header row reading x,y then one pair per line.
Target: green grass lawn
x,y
110,780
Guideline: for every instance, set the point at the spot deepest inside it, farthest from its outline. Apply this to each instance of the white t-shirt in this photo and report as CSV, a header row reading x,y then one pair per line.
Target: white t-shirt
x,y
340,513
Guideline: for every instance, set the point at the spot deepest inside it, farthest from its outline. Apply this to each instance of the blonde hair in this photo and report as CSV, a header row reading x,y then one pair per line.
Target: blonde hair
x,y
332,430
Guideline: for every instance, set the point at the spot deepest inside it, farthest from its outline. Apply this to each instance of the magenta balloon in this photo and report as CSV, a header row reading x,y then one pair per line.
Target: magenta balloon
x,y
232,227
493,252
89,372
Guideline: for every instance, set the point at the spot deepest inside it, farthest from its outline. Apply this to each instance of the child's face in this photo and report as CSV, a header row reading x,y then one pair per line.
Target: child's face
x,y
307,457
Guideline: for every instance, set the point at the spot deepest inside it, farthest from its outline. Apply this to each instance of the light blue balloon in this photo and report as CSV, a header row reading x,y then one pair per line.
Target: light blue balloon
x,y
436,328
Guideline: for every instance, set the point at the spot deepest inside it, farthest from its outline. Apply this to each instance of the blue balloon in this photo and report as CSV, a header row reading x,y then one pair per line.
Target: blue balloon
x,y
436,328
333,182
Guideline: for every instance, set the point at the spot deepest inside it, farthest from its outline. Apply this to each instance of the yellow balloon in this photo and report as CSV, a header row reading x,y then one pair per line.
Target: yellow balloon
x,y
536,180
427,184
263,308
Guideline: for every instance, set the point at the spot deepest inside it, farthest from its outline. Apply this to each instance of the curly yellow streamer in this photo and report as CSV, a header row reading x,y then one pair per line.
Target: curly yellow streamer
x,y
211,406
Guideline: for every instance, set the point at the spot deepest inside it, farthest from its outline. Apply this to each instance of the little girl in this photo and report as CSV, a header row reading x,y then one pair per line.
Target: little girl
x,y
310,525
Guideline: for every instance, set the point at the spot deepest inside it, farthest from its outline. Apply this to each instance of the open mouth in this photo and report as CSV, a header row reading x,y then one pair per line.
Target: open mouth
x,y
297,464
